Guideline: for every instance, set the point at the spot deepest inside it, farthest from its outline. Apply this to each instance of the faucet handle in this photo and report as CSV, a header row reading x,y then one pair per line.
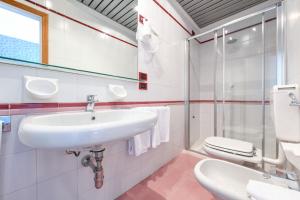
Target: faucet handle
x,y
92,98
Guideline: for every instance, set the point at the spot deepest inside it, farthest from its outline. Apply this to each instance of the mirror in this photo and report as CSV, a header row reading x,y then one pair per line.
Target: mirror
x,y
94,37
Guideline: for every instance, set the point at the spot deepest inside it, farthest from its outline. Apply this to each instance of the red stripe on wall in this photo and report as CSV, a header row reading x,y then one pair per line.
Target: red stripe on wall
x,y
230,101
32,105
80,104
83,104
79,22
4,106
139,103
33,108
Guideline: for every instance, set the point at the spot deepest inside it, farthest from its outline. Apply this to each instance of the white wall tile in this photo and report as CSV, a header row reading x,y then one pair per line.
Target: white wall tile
x,y
28,193
10,141
11,82
292,37
17,171
63,187
51,163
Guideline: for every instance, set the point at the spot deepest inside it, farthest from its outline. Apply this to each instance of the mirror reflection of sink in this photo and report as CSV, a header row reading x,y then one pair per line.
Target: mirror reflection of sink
x,y
77,129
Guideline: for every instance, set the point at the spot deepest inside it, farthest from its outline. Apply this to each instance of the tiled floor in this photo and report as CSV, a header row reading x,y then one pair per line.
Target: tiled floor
x,y
174,181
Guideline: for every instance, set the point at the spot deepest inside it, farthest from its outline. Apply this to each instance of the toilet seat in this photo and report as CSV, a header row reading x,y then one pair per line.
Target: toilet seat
x,y
232,149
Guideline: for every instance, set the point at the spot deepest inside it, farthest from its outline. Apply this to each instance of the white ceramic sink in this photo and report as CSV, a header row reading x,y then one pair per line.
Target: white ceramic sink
x,y
228,181
77,129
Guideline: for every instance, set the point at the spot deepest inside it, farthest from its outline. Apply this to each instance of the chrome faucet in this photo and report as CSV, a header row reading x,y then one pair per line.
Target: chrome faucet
x,y
91,100
295,181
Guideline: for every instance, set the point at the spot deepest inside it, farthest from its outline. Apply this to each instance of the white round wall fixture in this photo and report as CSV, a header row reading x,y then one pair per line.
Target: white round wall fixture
x,y
41,88
118,92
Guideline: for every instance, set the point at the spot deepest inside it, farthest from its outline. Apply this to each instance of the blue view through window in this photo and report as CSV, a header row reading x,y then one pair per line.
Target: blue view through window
x,y
20,34
19,49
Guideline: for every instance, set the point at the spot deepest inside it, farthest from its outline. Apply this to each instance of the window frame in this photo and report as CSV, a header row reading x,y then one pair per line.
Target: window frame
x,y
44,25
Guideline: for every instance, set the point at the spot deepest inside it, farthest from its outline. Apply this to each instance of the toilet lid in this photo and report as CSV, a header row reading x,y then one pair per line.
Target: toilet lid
x,y
230,145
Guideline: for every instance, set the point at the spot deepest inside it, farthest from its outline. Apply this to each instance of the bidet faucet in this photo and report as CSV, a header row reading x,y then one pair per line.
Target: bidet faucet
x,y
290,175
91,100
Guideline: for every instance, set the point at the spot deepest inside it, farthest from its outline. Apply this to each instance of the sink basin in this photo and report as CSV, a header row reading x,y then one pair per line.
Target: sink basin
x,y
228,181
77,129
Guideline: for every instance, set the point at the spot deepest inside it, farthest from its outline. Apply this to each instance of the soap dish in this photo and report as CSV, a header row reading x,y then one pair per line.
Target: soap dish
x,y
41,88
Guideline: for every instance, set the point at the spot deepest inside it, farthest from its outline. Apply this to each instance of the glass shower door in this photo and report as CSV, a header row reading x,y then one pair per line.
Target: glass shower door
x,y
202,73
247,79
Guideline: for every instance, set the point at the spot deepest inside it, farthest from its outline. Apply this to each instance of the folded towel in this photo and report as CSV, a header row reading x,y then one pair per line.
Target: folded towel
x,y
164,123
155,134
160,132
139,144
264,191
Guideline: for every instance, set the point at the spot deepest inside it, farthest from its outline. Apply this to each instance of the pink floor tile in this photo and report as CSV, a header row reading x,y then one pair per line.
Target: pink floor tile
x,y
173,181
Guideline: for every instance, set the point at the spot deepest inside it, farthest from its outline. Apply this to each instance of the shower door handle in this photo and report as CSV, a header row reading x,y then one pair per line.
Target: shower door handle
x,y
295,104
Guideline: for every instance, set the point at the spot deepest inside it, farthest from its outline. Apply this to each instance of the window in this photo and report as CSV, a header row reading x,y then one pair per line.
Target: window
x,y
23,32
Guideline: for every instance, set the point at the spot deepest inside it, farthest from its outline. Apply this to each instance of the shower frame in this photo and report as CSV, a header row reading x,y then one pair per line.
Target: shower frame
x,y
280,62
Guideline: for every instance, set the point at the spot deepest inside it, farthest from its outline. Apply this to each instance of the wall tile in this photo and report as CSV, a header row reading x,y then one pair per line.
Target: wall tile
x,y
12,83
10,141
51,163
17,171
24,194
63,187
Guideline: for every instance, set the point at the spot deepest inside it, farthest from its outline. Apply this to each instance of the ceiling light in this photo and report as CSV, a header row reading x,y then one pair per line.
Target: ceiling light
x,y
254,29
230,38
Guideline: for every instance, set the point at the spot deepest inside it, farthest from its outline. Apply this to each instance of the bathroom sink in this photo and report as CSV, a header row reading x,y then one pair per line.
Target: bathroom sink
x,y
77,129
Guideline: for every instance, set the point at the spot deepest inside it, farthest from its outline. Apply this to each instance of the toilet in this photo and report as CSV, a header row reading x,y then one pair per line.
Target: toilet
x,y
232,150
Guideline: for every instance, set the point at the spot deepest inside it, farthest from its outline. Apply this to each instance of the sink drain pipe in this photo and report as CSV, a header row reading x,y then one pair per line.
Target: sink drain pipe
x,y
94,161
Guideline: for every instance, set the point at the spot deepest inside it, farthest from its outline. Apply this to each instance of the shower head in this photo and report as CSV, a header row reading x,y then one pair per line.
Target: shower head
x,y
231,40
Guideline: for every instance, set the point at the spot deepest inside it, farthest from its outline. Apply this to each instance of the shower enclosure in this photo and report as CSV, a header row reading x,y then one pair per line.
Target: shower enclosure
x,y
231,70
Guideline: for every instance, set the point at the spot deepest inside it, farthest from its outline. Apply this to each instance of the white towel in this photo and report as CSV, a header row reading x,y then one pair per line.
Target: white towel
x,y
155,134
264,191
164,123
139,144
161,131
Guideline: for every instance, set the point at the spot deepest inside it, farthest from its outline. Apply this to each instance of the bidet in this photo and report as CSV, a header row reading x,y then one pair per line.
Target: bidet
x,y
228,181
